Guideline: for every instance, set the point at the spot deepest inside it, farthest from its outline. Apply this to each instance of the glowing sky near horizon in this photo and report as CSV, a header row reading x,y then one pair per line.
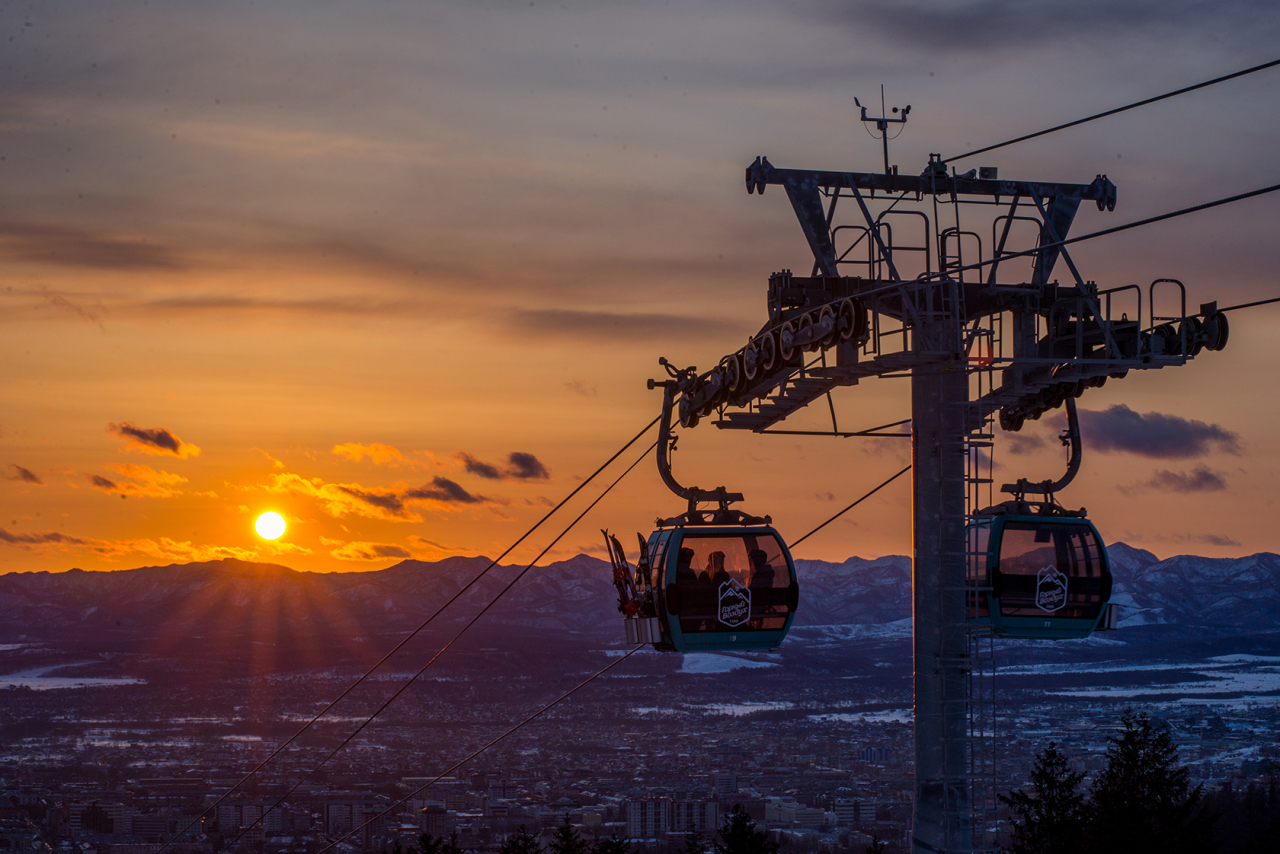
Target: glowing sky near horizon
x,y
399,271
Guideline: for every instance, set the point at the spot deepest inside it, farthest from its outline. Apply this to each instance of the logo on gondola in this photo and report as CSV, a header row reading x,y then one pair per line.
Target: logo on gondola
x,y
735,603
1051,589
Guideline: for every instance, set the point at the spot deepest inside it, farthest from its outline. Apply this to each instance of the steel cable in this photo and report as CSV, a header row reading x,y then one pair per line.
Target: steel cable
x,y
451,642
850,507
306,726
1112,112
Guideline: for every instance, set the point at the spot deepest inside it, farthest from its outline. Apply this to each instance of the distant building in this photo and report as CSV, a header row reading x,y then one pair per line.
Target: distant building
x,y
724,783
702,816
648,819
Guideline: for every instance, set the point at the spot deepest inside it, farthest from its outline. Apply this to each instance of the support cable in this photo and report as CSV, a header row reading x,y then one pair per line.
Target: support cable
x,y
476,753
1103,115
850,507
209,810
444,648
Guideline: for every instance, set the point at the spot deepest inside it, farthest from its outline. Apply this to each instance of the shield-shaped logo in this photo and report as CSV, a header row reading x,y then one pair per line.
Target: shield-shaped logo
x,y
735,603
1051,589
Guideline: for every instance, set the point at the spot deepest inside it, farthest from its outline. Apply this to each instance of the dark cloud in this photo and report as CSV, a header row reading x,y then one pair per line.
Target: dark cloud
x,y
370,551
154,440
1023,443
1200,480
70,247
609,326
520,466
24,475
1154,434
388,501
100,482
1213,539
36,539
971,26
445,491
524,466
478,468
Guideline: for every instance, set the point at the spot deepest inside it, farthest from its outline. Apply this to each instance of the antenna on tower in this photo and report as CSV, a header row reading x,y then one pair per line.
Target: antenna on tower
x,y
883,122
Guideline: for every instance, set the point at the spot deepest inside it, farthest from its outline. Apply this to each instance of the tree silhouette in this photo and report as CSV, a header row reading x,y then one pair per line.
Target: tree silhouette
x,y
567,841
521,842
612,845
876,845
693,843
738,835
1140,802
1050,818
439,845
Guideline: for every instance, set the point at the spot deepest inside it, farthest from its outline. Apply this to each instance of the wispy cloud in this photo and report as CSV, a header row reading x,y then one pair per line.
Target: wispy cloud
x,y
345,499
163,548
1200,479
379,453
366,551
24,475
144,481
73,247
152,440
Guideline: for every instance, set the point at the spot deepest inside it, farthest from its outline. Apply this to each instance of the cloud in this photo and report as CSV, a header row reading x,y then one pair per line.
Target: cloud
x,y
66,306
72,247
154,440
612,326
582,387
520,466
369,551
144,482
379,453
162,549
383,499
1200,480
345,499
1119,428
38,539
1023,443
445,491
23,474
1212,539
972,26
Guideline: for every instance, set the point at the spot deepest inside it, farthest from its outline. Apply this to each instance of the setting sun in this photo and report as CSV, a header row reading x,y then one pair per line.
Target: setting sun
x,y
270,525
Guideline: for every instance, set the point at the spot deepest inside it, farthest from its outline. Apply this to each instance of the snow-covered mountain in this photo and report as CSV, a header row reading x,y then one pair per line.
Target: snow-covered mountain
x,y
218,605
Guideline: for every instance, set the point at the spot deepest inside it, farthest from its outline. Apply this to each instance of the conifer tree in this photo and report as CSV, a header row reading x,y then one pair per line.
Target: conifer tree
x,y
876,845
521,842
1140,803
738,835
693,843
438,844
566,840
1050,818
612,845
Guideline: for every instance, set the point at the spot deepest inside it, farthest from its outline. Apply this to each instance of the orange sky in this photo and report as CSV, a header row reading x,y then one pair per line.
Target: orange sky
x,y
344,252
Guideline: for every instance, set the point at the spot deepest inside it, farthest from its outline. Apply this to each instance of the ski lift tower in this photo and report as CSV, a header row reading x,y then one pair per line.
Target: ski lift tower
x,y
948,279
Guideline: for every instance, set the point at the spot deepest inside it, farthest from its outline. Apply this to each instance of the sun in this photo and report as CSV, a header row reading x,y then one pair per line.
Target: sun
x,y
270,525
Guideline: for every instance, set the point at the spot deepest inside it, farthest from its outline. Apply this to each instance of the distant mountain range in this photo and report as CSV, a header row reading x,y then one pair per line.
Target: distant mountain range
x,y
214,607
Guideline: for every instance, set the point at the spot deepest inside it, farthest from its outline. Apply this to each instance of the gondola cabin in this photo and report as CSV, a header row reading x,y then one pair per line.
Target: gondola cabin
x,y
707,587
1038,576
